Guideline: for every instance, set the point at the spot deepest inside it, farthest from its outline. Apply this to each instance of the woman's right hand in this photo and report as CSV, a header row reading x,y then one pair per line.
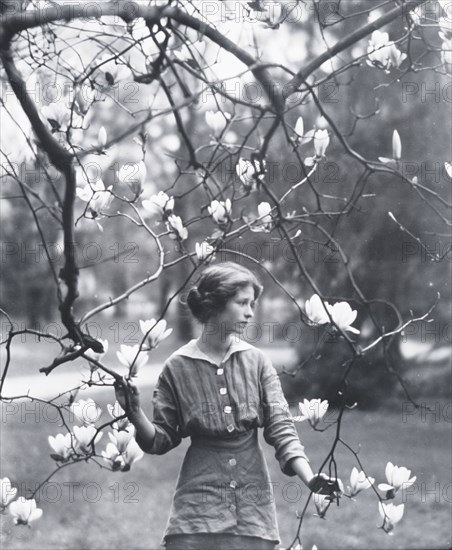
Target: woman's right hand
x,y
128,396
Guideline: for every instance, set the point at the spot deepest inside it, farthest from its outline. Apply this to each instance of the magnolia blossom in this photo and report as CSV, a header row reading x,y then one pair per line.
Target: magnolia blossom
x,y
448,167
113,456
86,411
95,355
84,436
102,138
316,311
397,477
246,172
134,175
116,411
265,223
62,446
175,225
96,195
156,332
111,71
204,252
322,503
159,204
121,438
313,411
220,210
127,356
57,114
383,53
299,126
250,172
343,316
217,121
7,493
359,482
321,142
396,146
391,515
123,460
24,511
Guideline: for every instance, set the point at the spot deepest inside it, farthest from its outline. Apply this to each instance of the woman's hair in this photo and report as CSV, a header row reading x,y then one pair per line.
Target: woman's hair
x,y
217,285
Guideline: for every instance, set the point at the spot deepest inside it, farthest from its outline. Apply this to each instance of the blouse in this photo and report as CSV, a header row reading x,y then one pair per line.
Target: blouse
x,y
196,397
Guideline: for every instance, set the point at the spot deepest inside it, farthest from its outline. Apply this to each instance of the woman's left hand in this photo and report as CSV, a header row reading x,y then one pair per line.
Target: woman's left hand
x,y
324,485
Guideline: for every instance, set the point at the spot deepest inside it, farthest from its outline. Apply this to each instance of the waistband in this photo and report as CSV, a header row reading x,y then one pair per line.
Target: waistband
x,y
240,441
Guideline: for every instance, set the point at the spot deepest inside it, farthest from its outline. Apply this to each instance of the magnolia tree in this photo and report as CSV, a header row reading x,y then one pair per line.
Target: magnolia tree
x,y
135,112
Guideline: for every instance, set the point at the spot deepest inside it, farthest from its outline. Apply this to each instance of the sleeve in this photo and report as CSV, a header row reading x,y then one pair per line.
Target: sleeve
x,y
165,417
279,427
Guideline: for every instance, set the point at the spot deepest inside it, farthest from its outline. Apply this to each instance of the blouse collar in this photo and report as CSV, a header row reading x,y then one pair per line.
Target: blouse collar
x,y
191,349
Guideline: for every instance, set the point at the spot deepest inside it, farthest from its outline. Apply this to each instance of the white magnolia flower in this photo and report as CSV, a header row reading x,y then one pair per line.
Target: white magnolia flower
x,y
133,453
111,71
95,355
86,411
204,252
359,482
175,225
121,438
102,138
116,411
383,53
24,511
127,355
246,172
96,195
299,126
220,210
113,456
7,493
159,204
397,477
250,172
343,316
123,460
391,515
316,311
448,167
133,174
396,146
84,435
158,332
321,142
313,411
321,503
217,121
62,446
266,220
57,115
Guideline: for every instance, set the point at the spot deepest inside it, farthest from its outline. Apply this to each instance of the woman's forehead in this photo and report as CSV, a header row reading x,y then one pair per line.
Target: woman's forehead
x,y
246,292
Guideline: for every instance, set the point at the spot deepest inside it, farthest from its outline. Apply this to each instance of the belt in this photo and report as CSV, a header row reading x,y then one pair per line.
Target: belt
x,y
241,441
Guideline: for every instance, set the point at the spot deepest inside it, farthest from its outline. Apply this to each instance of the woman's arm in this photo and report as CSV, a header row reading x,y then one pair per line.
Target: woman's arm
x,y
302,468
160,435
145,430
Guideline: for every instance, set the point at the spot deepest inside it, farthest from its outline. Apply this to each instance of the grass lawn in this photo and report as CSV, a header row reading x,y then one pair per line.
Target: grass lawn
x,y
88,507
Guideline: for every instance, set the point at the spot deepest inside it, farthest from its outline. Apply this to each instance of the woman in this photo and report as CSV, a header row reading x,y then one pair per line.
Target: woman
x,y
218,389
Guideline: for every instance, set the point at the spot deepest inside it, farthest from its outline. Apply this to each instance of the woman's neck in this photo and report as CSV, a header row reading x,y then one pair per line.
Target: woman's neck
x,y
216,343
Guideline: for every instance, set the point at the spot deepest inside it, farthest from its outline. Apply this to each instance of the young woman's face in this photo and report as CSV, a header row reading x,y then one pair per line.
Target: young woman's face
x,y
238,311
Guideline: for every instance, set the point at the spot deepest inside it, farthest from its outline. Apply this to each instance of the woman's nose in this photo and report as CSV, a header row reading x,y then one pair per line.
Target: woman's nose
x,y
249,312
